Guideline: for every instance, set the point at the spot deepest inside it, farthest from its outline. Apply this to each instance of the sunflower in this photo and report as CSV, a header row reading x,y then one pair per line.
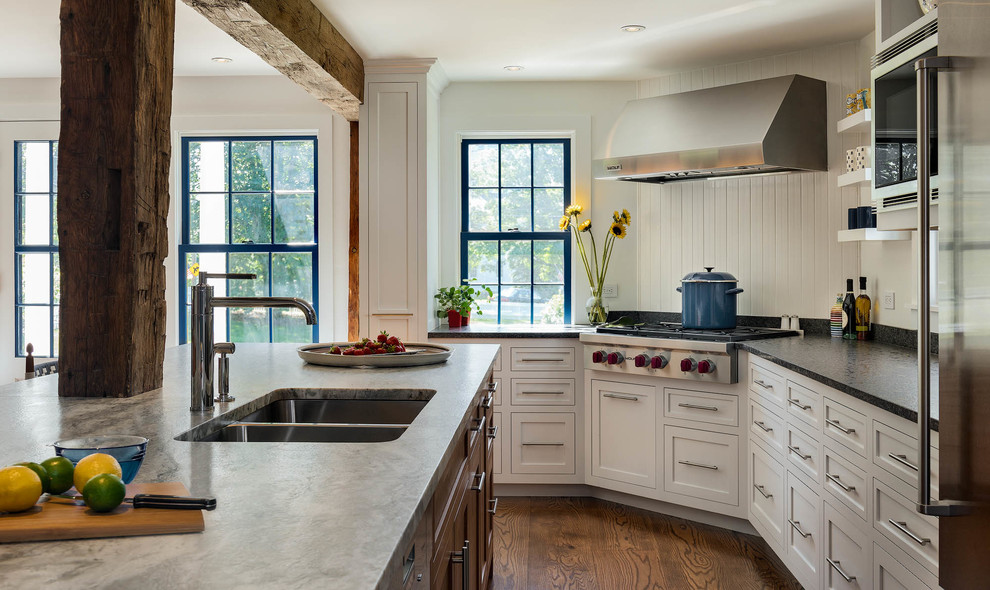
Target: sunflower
x,y
626,217
573,210
585,225
618,230
564,222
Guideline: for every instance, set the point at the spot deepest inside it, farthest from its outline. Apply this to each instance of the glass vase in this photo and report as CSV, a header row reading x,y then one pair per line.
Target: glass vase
x,y
597,311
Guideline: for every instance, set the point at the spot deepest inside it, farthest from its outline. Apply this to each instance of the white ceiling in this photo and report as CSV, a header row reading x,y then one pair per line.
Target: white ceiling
x,y
552,39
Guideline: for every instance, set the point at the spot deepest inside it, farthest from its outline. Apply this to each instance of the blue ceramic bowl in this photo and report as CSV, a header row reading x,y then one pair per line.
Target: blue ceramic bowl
x,y
127,450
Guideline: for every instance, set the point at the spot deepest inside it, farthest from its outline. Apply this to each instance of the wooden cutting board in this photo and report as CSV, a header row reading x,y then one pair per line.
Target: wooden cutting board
x,y
59,519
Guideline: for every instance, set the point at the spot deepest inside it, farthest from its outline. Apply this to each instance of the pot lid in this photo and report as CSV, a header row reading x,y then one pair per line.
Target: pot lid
x,y
709,277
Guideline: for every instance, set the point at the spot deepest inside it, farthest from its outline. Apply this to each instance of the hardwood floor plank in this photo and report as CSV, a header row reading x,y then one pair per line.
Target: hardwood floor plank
x,y
511,553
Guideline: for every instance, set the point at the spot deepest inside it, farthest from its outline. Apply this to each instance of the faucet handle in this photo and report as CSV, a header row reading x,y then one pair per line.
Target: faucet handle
x,y
204,276
223,371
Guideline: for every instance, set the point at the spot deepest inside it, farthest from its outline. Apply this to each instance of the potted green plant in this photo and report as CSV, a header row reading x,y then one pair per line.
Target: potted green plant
x,y
456,302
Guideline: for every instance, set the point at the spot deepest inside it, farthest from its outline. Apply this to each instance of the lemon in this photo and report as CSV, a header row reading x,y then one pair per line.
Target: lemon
x,y
92,465
46,480
104,492
60,471
20,488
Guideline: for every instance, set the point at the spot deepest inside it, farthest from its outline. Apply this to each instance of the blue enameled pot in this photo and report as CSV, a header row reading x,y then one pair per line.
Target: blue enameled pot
x,y
708,300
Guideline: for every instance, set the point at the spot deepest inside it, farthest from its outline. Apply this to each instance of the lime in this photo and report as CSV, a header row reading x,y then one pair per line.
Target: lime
x,y
92,465
20,488
46,480
60,471
104,492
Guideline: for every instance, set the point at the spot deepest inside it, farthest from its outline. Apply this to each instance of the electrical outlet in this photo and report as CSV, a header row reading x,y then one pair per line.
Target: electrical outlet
x,y
888,300
610,290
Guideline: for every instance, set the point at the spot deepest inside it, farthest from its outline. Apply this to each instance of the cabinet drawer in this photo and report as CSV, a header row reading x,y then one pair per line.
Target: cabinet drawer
x,y
543,442
767,426
897,454
803,452
848,483
803,532
847,426
700,406
541,359
497,443
702,464
847,553
896,518
623,432
542,392
768,384
890,574
766,494
804,404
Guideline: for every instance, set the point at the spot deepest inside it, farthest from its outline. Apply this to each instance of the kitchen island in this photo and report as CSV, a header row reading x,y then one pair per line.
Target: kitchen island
x,y
291,515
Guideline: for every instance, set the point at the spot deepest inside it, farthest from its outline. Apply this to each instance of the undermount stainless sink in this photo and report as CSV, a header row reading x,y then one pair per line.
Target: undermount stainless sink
x,y
320,416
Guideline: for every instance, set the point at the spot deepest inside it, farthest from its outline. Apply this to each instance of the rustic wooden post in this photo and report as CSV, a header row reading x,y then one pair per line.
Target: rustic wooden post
x,y
114,150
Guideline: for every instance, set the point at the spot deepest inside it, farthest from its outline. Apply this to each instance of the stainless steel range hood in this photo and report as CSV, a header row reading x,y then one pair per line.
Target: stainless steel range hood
x,y
760,127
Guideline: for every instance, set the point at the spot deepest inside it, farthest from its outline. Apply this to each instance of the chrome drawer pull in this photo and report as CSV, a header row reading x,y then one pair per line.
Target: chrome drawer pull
x,y
797,451
542,392
835,479
487,402
762,426
902,526
835,565
480,426
493,431
702,465
762,384
492,386
632,398
697,407
838,426
902,459
762,490
494,507
481,482
797,403
546,360
798,528
542,444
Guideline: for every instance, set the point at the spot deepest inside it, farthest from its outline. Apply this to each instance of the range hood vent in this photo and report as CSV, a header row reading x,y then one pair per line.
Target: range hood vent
x,y
761,127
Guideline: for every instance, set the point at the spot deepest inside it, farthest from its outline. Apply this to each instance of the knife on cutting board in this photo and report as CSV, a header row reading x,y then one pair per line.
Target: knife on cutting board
x,y
157,501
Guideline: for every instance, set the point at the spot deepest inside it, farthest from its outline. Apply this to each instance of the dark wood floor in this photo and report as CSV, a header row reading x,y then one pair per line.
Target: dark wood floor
x,y
584,543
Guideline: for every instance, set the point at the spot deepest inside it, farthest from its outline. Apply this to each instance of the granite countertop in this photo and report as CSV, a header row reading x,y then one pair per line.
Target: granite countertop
x,y
294,515
883,375
512,331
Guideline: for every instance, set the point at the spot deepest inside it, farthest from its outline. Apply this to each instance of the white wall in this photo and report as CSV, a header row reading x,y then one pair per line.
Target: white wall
x,y
776,234
207,105
584,112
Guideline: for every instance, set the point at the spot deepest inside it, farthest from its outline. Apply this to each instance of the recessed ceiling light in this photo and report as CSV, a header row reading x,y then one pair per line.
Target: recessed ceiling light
x,y
513,68
222,60
634,28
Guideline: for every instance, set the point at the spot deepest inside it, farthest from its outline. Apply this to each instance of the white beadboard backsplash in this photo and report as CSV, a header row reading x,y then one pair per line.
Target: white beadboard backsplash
x,y
776,234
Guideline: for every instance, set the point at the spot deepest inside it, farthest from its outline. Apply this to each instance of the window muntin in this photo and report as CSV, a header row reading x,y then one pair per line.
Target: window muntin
x,y
250,206
514,192
36,265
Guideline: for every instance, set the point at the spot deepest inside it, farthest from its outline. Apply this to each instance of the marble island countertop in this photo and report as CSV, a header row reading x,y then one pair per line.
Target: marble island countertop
x,y
327,515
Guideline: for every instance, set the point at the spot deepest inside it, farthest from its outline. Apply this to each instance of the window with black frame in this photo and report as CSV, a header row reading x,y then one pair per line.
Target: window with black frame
x,y
514,192
249,205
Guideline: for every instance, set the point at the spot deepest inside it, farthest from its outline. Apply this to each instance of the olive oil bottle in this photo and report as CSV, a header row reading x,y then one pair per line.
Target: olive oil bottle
x,y
864,306
849,313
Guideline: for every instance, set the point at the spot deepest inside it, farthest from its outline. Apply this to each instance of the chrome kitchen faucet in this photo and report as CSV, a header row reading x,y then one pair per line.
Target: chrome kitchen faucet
x,y
203,348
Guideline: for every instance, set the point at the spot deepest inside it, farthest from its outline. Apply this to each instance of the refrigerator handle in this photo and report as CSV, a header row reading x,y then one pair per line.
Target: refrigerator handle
x,y
926,69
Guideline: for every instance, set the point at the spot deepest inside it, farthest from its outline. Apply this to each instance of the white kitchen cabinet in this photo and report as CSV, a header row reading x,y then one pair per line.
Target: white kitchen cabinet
x,y
767,426
914,533
804,404
530,359
702,464
849,427
848,550
767,383
802,534
890,574
766,495
848,483
624,432
701,406
803,453
543,391
543,442
897,454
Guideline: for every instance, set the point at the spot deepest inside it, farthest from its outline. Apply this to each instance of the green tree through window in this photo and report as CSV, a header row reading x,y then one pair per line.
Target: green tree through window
x,y
250,206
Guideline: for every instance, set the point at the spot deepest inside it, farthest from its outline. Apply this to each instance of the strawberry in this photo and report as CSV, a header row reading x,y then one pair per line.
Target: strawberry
x,y
393,341
348,352
374,345
383,337
360,352
335,350
400,348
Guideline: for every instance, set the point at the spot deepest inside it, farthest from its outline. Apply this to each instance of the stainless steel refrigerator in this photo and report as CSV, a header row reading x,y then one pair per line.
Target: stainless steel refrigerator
x,y
961,74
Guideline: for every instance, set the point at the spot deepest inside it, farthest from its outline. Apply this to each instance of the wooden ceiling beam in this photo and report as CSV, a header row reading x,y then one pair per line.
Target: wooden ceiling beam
x,y
296,39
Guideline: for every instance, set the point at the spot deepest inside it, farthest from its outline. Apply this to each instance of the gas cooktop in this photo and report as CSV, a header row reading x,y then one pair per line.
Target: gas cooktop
x,y
676,331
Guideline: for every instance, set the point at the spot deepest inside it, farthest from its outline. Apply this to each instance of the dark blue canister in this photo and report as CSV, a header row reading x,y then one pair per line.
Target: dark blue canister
x,y
708,300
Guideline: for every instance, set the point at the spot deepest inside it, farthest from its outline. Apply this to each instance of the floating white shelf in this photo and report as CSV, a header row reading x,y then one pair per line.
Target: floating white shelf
x,y
856,122
869,234
856,176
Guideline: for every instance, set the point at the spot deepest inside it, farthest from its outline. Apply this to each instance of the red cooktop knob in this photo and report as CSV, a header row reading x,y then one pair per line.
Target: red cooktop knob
x,y
614,358
598,356
658,362
688,365
641,360
706,366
